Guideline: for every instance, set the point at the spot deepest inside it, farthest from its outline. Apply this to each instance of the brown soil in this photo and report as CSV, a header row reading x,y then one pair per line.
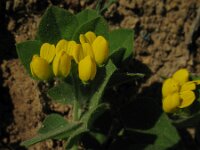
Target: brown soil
x,y
166,38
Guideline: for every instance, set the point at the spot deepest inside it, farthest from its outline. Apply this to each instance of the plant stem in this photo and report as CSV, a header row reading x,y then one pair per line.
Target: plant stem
x,y
75,110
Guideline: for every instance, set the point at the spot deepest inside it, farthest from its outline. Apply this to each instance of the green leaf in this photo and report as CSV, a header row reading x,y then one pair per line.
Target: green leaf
x,y
74,138
52,122
166,135
86,15
62,93
147,127
66,129
56,24
100,82
121,44
26,50
97,25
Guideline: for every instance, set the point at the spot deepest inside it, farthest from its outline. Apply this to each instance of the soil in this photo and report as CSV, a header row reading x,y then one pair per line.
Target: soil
x,y
167,38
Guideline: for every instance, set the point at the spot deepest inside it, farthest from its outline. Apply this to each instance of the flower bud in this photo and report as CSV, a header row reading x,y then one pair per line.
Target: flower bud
x,y
40,68
47,51
61,45
100,50
87,69
62,64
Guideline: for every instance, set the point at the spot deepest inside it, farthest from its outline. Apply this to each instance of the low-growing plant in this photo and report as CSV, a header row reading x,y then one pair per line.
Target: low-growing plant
x,y
89,64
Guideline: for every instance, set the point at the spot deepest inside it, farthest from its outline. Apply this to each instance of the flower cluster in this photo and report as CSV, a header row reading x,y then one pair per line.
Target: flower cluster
x,y
178,91
56,60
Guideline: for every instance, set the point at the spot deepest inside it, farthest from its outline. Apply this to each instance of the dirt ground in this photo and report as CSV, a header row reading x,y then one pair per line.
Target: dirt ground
x,y
167,37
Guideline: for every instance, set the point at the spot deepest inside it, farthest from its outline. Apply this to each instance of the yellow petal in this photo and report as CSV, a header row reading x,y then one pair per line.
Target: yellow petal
x,y
47,51
40,68
187,98
71,45
62,64
91,36
56,63
87,50
87,69
65,65
100,50
61,45
171,103
188,86
94,70
75,50
77,53
169,87
83,39
181,76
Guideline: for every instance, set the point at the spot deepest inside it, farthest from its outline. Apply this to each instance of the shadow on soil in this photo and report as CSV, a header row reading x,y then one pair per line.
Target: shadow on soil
x,y
7,51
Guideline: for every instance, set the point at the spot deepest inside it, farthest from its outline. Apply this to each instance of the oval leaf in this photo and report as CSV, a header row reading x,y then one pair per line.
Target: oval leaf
x,y
62,93
97,25
56,24
86,15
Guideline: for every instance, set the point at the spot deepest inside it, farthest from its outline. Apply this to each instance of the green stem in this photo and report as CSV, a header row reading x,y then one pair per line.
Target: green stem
x,y
75,110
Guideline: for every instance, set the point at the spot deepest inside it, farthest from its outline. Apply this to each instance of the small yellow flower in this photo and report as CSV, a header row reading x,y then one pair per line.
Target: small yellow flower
x,y
40,68
87,69
47,51
178,91
100,50
95,46
61,64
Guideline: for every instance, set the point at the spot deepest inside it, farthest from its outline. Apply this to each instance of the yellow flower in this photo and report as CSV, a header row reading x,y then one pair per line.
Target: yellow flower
x,y
88,37
40,68
100,50
47,51
178,91
96,47
87,69
61,64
